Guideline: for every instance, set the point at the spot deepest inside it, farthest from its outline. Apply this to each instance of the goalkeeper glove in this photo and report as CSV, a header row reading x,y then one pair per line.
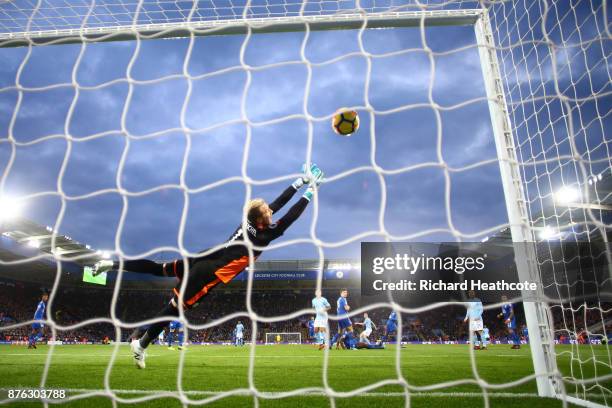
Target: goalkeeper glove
x,y
315,173
309,193
317,178
298,183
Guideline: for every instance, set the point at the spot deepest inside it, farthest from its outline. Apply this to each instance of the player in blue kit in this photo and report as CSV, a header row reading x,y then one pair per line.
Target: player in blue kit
x,y
38,326
176,327
239,334
525,334
370,346
321,307
474,314
351,343
391,327
345,327
507,314
311,330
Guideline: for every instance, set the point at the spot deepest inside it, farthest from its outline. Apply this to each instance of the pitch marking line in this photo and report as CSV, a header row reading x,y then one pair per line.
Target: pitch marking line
x,y
265,394
409,356
276,395
55,354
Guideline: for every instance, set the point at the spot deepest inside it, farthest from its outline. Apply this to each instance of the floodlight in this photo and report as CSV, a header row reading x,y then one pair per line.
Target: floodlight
x,y
9,208
549,233
567,195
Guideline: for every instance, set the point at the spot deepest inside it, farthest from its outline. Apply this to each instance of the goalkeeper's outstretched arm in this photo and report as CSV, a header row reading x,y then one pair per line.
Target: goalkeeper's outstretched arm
x,y
315,173
259,214
297,209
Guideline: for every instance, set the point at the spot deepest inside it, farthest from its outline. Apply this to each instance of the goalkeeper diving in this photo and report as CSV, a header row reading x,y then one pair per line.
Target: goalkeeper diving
x,y
219,267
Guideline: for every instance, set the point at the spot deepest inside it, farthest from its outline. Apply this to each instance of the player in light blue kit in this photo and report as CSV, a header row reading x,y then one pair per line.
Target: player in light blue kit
x,y
485,337
176,327
345,327
38,327
368,325
239,334
510,321
321,307
474,314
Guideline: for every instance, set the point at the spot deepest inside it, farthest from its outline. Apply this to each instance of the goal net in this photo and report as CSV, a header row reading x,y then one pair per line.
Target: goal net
x,y
130,119
283,338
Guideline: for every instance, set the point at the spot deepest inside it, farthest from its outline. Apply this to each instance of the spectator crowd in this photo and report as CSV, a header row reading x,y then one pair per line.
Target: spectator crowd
x,y
71,307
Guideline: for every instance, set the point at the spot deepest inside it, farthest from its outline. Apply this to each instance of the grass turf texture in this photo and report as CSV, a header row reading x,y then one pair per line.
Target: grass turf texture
x,y
210,369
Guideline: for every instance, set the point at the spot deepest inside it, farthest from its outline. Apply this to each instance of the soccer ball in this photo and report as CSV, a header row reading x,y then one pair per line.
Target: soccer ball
x,y
345,122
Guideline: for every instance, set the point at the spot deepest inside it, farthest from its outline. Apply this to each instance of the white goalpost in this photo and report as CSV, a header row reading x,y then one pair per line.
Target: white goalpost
x,y
547,79
536,314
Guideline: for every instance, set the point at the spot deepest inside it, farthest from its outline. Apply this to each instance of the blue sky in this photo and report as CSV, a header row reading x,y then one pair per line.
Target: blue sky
x,y
348,205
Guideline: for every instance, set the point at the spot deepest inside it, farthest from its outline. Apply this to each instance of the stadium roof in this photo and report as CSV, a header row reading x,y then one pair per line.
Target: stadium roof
x,y
48,241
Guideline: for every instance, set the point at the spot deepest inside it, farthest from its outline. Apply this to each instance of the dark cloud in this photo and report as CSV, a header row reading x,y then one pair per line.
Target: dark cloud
x,y
99,110
105,62
42,114
166,55
93,165
36,168
215,155
8,99
94,220
11,59
155,107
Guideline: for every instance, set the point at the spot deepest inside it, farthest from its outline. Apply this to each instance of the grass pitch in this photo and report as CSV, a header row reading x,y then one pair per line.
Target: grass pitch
x,y
208,371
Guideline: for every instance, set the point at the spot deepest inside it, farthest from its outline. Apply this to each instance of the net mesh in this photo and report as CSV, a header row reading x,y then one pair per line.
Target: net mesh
x,y
554,64
556,79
